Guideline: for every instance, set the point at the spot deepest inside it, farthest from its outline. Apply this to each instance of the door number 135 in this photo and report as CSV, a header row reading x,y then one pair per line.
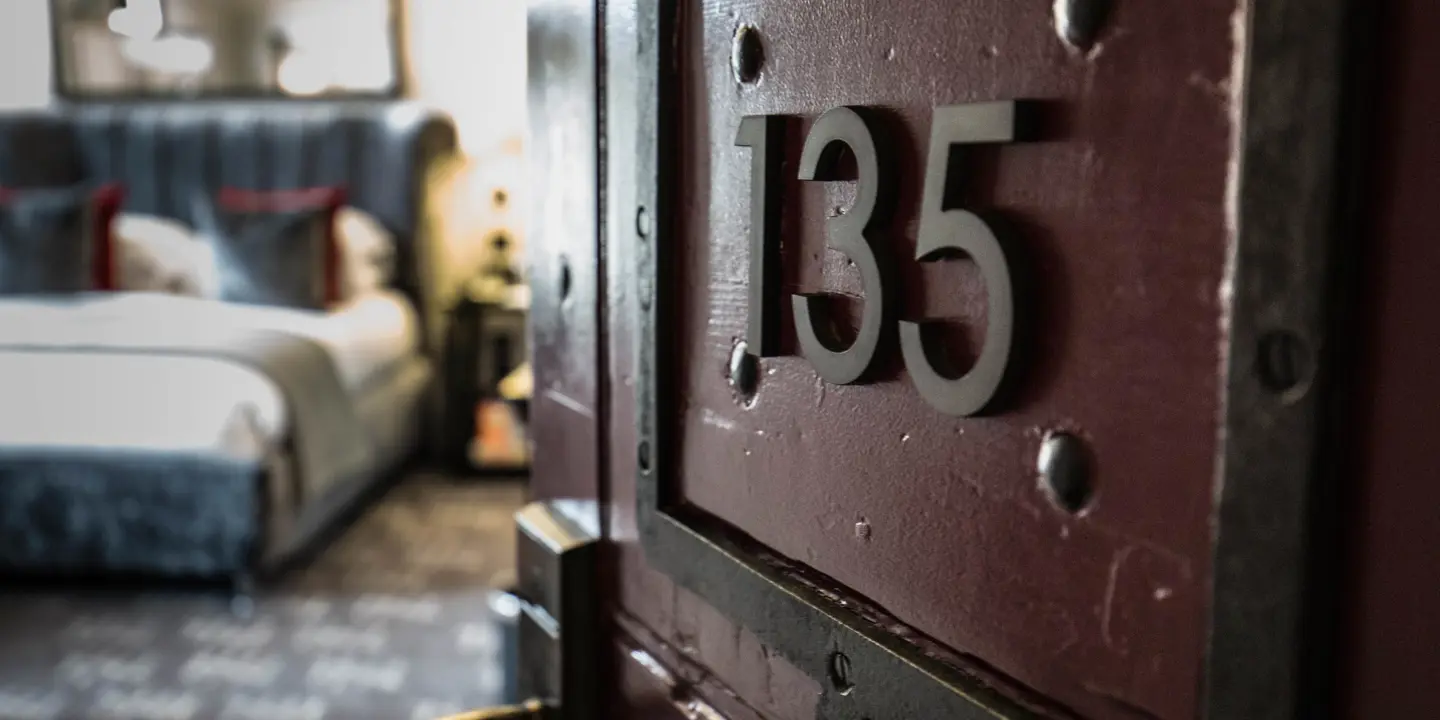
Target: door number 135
x,y
944,229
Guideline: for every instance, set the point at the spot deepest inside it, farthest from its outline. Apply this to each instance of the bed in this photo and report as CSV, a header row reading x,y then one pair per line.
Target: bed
x,y
156,433
98,402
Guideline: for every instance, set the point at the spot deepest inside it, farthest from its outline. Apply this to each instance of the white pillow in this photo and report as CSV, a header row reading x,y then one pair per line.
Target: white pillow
x,y
156,254
163,255
367,253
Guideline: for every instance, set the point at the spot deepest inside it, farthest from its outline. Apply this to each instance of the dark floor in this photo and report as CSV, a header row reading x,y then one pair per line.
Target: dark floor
x,y
395,620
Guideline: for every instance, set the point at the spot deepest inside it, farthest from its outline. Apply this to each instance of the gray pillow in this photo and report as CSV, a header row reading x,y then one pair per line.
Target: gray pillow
x,y
283,257
54,240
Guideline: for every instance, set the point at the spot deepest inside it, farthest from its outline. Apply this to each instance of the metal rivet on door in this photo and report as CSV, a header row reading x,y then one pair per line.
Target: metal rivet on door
x,y
642,222
1079,22
743,371
840,675
642,456
747,54
1283,362
1064,468
642,231
566,279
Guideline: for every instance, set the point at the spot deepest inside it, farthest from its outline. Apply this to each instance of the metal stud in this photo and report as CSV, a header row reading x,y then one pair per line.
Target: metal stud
x,y
743,370
566,280
1283,363
642,222
1064,468
840,673
1079,22
642,456
747,54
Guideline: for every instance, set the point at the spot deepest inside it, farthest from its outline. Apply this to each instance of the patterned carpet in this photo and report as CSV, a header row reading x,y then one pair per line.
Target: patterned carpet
x,y
396,619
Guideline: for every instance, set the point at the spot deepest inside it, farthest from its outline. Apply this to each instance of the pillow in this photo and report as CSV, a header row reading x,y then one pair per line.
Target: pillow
x,y
274,247
57,240
157,254
367,258
367,253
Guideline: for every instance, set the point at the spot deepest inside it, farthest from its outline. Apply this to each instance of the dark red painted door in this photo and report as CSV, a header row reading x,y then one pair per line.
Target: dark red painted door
x,y
1116,530
1112,218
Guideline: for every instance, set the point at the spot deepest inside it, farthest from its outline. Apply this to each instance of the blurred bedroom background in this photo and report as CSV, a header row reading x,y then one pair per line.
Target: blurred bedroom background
x,y
386,602
465,59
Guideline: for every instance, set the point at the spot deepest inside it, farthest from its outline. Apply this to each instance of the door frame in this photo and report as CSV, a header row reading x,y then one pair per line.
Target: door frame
x,y
1287,216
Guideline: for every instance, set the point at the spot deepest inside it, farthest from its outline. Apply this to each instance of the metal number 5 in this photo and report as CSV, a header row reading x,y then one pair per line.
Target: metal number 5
x,y
854,234
945,228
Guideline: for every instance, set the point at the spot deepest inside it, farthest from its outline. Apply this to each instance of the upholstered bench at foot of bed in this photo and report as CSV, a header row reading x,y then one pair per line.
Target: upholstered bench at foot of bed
x,y
129,512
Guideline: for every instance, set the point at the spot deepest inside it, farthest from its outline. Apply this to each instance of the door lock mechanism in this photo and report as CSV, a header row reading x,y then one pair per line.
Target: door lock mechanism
x,y
559,639
559,614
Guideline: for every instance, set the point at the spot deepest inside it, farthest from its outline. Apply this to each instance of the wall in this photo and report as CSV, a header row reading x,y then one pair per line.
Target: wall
x,y
25,62
468,58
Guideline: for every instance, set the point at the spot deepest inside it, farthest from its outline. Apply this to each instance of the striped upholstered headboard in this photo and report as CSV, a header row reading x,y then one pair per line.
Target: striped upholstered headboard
x,y
164,153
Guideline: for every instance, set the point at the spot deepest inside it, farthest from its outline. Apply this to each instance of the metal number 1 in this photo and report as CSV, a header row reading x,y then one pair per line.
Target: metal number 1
x,y
764,135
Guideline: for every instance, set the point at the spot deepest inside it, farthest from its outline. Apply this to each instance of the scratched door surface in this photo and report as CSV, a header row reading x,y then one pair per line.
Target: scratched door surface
x,y
1115,220
1160,262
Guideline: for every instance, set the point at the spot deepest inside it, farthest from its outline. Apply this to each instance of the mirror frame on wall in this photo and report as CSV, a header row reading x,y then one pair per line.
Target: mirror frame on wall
x,y
65,90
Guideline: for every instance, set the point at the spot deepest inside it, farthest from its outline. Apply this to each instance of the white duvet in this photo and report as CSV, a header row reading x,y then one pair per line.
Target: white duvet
x,y
62,397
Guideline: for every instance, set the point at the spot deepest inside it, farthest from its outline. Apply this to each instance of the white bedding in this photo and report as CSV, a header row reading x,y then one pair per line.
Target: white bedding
x,y
69,398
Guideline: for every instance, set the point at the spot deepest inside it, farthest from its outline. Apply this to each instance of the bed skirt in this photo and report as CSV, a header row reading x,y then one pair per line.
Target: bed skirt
x,y
129,511
87,511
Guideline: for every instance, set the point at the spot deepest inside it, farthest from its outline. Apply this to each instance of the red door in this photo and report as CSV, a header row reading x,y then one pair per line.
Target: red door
x,y
947,359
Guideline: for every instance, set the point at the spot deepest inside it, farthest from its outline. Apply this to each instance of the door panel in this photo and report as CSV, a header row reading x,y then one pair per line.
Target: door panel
x,y
1051,557
1116,219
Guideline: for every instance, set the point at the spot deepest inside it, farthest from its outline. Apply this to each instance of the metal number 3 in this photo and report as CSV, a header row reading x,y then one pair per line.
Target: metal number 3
x,y
855,234
944,228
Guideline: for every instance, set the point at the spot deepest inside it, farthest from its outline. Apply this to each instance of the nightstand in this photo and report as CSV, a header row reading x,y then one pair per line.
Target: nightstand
x,y
486,342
